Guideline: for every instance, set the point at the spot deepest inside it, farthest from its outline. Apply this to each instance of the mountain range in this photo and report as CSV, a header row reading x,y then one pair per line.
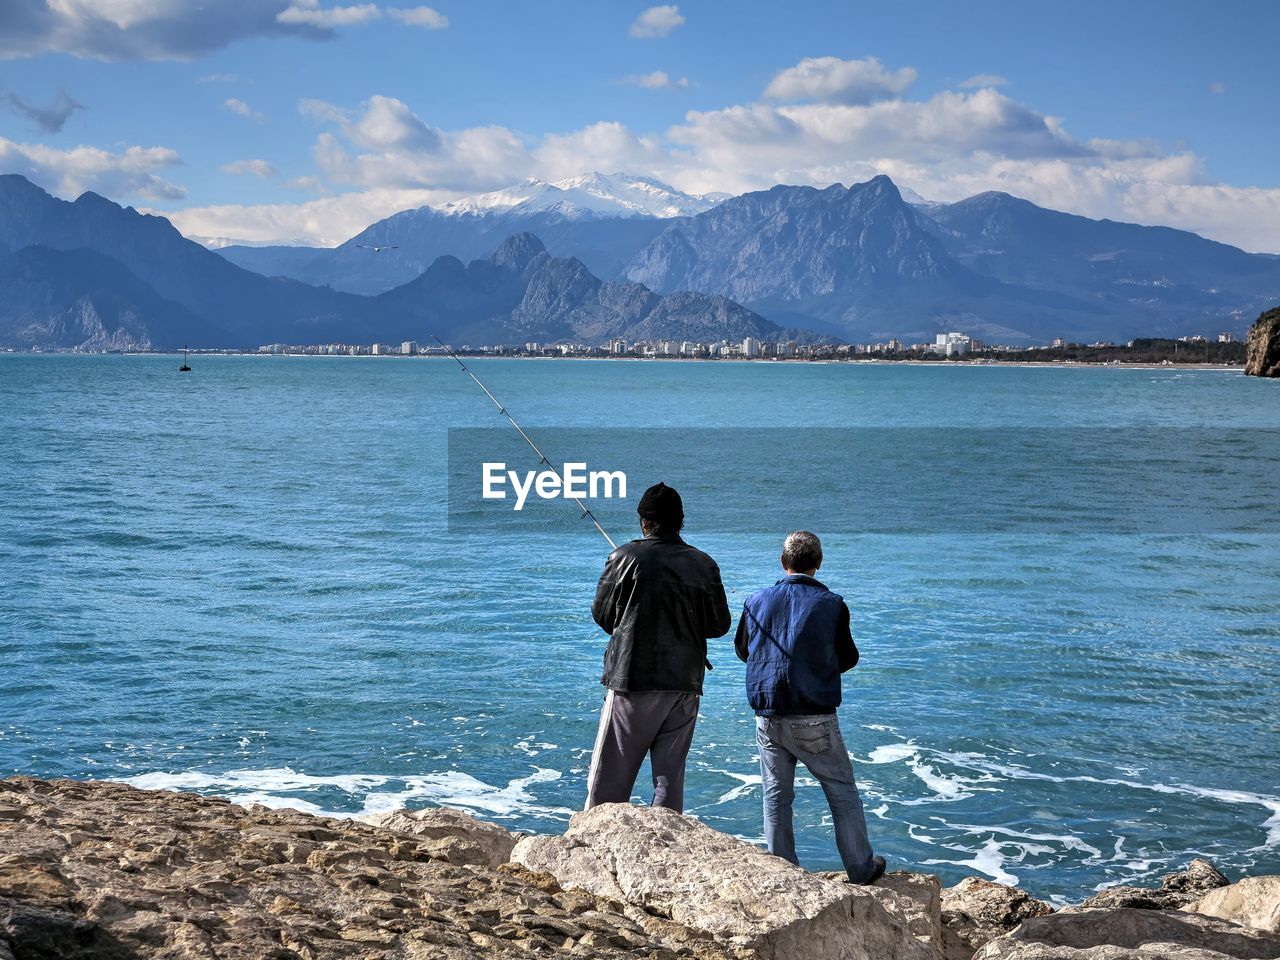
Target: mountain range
x,y
615,255
90,274
520,292
601,219
859,263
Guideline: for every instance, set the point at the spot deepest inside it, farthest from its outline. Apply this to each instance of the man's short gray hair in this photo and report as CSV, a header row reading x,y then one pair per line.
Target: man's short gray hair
x,y
802,551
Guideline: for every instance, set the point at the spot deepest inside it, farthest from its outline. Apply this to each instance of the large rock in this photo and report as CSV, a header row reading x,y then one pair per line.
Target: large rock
x,y
1253,902
976,910
915,898
102,871
1176,890
1262,358
1129,934
676,868
450,835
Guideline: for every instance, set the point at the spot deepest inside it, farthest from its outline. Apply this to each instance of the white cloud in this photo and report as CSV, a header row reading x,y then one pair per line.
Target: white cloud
x,y
309,13
141,29
424,17
309,183
243,109
1125,149
656,22
600,146
219,78
755,146
69,173
832,80
386,124
948,146
256,168
979,80
657,80
326,221
1218,88
388,145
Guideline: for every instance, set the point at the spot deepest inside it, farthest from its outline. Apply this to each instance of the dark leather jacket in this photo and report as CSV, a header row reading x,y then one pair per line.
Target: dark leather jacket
x,y
659,600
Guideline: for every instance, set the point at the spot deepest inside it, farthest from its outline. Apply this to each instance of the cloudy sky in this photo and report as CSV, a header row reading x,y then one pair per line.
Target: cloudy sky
x,y
305,120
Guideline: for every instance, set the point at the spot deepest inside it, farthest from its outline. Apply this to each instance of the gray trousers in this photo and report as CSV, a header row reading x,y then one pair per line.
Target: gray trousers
x,y
632,725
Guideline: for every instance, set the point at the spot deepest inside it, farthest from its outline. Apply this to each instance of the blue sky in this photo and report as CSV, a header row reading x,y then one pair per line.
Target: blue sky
x,y
303,120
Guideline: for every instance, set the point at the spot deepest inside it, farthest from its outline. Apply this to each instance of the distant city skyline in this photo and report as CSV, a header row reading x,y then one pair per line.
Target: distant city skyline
x,y
302,121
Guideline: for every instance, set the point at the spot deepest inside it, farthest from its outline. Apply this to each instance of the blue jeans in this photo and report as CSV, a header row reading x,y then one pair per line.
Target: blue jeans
x,y
816,742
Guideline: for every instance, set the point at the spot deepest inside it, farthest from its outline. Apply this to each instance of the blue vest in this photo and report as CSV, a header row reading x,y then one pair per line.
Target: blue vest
x,y
791,635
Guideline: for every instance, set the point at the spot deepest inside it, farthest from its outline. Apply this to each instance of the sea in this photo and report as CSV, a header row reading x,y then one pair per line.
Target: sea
x,y
276,579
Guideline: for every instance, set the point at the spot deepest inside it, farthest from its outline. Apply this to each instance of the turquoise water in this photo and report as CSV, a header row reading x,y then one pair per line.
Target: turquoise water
x,y
244,581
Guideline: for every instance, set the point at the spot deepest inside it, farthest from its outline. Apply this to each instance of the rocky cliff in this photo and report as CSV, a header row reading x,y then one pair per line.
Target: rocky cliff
x,y
521,293
103,870
79,299
1263,359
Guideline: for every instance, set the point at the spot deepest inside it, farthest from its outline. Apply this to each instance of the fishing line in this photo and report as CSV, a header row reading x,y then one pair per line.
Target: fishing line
x,y
542,457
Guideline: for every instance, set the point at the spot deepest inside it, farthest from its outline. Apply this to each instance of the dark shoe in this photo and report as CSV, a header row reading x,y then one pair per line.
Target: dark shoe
x,y
878,864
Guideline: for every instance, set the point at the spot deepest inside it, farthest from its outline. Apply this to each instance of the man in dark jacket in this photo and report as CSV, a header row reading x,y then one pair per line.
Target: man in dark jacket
x,y
659,600
795,639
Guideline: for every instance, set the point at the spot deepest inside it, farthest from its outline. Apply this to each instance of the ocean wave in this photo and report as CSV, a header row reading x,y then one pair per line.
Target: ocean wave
x,y
1234,797
376,793
1007,850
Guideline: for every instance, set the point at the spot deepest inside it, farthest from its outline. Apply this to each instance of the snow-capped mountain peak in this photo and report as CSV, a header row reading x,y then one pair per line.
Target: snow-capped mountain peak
x,y
913,198
587,195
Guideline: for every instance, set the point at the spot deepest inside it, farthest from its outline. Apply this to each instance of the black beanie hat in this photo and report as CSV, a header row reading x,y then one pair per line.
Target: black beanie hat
x,y
662,505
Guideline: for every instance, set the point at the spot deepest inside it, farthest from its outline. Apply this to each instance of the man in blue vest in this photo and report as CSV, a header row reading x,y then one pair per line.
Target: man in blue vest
x,y
795,639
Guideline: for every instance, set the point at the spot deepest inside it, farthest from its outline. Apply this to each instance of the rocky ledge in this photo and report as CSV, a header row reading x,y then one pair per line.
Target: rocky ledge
x,y
102,870
1262,358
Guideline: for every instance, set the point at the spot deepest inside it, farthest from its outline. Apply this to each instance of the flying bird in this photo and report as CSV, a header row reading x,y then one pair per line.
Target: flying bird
x,y
377,249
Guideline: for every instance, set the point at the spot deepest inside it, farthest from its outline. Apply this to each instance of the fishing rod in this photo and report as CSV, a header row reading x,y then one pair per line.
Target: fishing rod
x,y
542,457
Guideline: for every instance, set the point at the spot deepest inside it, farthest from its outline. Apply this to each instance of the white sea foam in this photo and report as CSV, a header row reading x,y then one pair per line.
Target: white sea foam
x,y
273,782
1238,797
746,782
892,753
527,746
957,776
1065,840
945,786
377,793
989,860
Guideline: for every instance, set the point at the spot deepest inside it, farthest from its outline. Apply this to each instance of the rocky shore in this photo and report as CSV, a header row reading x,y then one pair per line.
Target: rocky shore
x,y
91,871
1263,347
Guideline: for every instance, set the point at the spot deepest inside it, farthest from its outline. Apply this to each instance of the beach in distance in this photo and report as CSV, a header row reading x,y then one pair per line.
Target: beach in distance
x,y
254,580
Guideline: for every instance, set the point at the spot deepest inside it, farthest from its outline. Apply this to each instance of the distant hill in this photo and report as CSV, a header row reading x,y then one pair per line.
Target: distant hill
x,y
856,263
862,262
82,299
1151,279
250,308
852,261
522,293
602,219
98,276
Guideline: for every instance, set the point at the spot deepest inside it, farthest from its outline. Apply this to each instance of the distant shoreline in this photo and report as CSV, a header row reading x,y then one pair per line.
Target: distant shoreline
x,y
940,364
